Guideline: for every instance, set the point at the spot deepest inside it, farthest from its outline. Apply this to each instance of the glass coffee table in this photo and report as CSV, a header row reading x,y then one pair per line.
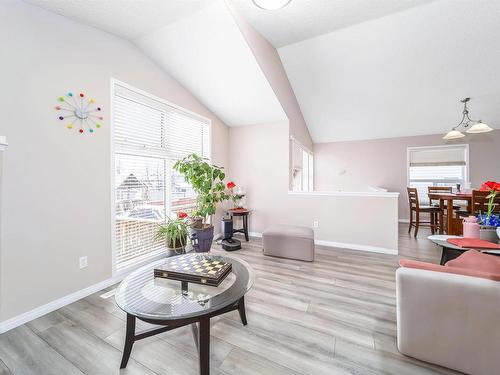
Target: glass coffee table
x,y
172,304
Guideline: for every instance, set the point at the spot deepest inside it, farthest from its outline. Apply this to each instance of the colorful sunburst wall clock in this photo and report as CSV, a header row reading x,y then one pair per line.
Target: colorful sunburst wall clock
x,y
79,112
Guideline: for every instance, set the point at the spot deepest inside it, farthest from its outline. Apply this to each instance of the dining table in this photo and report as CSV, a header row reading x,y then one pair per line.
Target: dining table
x,y
453,224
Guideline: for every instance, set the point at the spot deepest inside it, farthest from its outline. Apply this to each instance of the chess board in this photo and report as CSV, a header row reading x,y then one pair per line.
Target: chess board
x,y
195,268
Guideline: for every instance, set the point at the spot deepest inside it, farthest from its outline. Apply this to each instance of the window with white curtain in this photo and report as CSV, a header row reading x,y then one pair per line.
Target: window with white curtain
x,y
149,136
302,167
437,166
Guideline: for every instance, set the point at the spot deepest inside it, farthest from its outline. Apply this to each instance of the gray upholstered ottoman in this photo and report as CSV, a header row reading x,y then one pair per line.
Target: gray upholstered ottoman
x,y
287,241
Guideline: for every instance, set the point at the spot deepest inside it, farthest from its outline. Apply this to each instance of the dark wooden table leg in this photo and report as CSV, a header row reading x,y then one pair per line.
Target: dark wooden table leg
x,y
204,344
450,217
245,226
241,310
129,340
184,287
441,216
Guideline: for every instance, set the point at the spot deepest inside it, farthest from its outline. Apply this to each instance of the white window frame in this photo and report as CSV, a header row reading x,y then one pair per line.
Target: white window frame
x,y
151,257
410,149
310,185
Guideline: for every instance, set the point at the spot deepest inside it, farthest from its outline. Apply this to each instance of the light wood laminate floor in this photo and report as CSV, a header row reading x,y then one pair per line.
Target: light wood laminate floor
x,y
334,316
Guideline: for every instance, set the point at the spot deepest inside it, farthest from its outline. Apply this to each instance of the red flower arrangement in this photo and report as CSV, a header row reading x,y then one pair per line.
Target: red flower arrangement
x,y
182,215
231,185
494,188
491,186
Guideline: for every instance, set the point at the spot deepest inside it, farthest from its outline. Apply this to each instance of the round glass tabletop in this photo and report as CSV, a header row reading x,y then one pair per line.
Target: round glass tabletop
x,y
144,296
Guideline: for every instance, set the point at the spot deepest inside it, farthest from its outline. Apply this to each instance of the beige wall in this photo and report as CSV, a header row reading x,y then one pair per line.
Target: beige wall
x,y
259,161
56,195
354,166
269,61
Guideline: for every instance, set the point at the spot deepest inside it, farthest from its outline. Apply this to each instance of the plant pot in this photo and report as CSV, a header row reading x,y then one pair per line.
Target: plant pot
x,y
197,222
177,247
202,238
488,234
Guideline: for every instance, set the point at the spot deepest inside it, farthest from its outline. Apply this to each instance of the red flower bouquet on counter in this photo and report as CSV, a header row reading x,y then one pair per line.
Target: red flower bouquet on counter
x,y
182,215
231,185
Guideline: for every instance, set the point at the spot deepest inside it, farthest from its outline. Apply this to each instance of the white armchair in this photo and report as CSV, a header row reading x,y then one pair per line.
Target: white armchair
x,y
449,320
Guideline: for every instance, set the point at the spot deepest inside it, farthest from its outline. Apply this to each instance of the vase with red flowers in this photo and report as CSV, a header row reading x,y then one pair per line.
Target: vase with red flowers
x,y
490,222
236,194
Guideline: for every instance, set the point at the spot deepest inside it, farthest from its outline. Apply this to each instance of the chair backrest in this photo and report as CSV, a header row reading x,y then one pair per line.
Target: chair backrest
x,y
480,202
438,189
412,198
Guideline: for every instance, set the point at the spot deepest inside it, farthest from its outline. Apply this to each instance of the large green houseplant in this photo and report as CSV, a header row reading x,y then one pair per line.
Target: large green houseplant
x,y
207,181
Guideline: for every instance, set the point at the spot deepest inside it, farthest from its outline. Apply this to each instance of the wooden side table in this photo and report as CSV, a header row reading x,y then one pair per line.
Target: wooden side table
x,y
243,213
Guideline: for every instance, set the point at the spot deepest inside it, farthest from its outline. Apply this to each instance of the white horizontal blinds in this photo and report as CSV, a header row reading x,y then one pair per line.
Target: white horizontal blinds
x,y
149,137
437,156
187,135
137,125
436,166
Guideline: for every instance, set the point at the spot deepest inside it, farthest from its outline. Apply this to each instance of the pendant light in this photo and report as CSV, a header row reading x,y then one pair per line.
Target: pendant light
x,y
271,4
478,127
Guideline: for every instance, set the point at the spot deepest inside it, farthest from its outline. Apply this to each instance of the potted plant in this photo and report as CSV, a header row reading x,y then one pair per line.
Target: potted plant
x,y
489,221
175,233
207,180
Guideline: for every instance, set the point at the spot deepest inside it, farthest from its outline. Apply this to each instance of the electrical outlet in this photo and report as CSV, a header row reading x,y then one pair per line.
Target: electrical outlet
x,y
83,262
315,223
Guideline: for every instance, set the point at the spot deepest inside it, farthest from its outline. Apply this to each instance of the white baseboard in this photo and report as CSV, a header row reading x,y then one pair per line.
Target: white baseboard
x,y
344,245
354,246
37,312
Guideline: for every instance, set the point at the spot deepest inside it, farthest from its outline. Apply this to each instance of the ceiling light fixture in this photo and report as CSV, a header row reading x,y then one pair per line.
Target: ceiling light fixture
x,y
271,4
476,126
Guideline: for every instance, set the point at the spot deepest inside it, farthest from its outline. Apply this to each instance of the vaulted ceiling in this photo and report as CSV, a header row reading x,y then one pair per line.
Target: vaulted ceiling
x,y
400,75
304,19
197,42
360,69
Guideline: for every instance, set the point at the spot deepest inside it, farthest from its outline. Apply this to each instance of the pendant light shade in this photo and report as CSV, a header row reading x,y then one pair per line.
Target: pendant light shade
x,y
469,125
479,128
271,4
453,134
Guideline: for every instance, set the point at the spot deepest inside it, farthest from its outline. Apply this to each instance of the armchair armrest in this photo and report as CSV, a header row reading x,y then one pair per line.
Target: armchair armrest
x,y
448,319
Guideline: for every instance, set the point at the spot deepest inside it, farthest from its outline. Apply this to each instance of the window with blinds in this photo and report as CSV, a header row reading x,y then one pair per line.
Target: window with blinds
x,y
437,166
149,136
302,167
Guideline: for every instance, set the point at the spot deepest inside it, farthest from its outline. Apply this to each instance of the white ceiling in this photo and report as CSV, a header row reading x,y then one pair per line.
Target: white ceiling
x,y
197,42
303,19
127,18
400,75
208,54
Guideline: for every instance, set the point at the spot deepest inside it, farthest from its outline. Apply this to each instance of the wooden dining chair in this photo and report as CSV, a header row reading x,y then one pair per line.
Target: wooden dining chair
x,y
438,189
416,208
480,202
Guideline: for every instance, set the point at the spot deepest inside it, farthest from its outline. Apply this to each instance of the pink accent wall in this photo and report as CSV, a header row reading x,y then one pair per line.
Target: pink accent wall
x,y
269,61
356,165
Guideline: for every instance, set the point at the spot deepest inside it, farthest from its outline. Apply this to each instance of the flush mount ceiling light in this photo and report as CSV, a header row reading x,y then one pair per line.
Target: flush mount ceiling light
x,y
476,126
271,4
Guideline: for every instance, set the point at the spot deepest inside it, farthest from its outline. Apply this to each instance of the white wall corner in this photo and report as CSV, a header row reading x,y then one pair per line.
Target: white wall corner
x,y
3,142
